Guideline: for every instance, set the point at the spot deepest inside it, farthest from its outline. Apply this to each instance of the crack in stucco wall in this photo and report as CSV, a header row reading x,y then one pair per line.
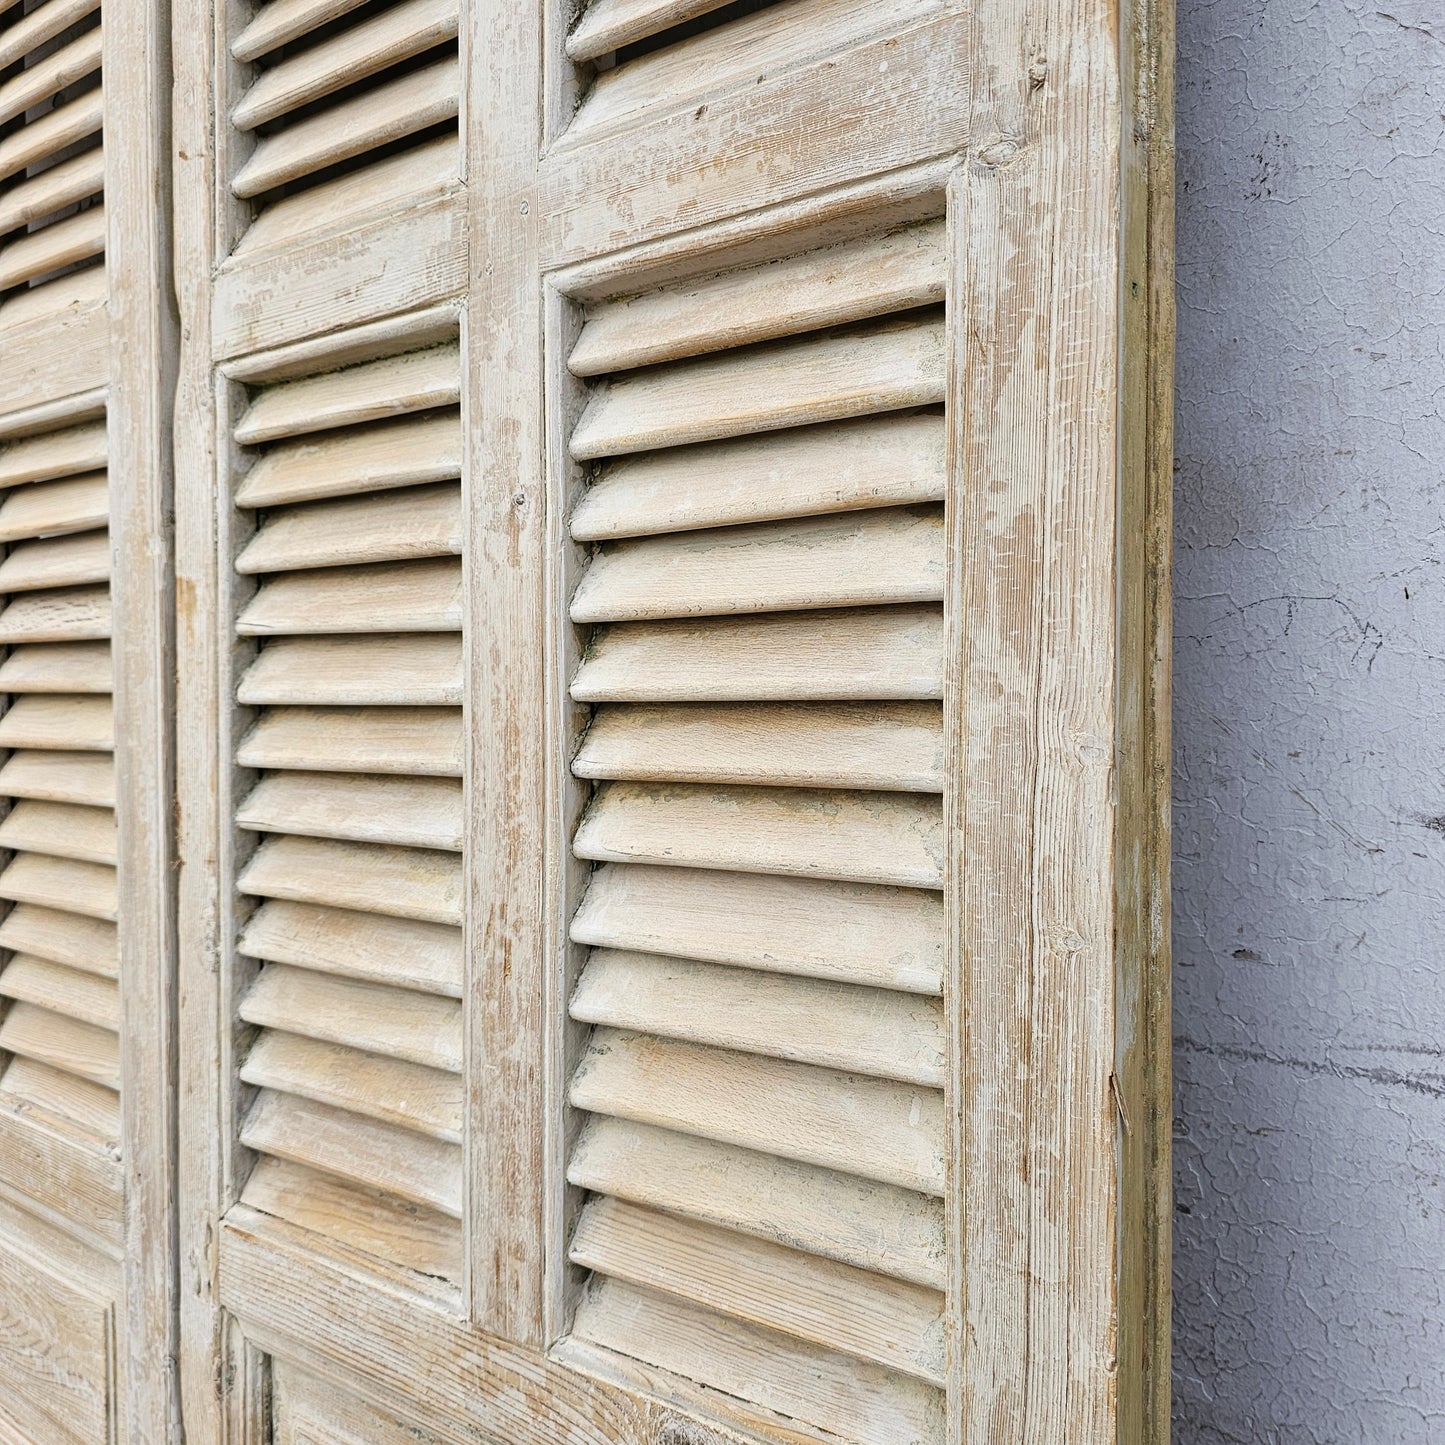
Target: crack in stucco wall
x,y
1310,741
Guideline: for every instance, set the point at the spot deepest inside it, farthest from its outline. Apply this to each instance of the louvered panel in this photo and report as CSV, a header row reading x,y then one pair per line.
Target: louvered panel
x,y
59,778
738,51
764,1147
891,746
358,741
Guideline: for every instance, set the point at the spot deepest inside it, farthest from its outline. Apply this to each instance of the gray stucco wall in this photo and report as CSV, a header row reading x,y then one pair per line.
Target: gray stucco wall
x,y
1310,724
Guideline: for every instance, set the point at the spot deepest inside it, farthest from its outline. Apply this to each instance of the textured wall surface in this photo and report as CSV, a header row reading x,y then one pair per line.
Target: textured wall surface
x,y
1310,724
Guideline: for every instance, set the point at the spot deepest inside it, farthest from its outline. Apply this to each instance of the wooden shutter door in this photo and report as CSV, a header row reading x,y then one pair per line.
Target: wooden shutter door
x,y
672,548
87,1265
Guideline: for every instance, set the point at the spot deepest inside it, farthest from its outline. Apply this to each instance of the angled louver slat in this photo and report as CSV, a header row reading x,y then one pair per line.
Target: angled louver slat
x,y
889,746
62,185
58,777
84,943
411,741
80,667
47,77
66,125
49,509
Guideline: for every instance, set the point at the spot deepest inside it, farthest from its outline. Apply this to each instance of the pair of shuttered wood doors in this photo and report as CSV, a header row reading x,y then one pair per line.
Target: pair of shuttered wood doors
x,y
584,691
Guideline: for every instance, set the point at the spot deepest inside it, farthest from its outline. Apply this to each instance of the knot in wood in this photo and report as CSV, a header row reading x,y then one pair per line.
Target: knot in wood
x,y
998,152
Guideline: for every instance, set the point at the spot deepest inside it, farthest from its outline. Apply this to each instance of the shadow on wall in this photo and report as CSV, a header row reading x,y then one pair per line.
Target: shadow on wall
x,y
1310,750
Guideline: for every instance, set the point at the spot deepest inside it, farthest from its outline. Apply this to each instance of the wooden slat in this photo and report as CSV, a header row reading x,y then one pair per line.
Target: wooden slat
x,y
67,1044
63,883
61,243
878,1227
610,24
411,812
84,943
43,23
56,562
869,462
66,125
854,933
890,746
54,73
413,741
362,1219
396,1022
73,614
852,559
84,996
278,21
76,504
54,454
426,448
364,1151
749,49
895,838
64,722
386,527
855,1311
370,391
387,597
53,189
398,181
349,55
854,281
879,652
421,1100
874,1128
857,1402
421,670
370,118
398,882
60,829
56,777
837,1025
69,668
857,371
29,1087
401,952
